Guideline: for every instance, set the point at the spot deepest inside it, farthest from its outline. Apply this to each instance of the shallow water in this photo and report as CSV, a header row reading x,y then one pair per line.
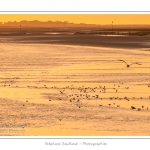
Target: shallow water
x,y
41,84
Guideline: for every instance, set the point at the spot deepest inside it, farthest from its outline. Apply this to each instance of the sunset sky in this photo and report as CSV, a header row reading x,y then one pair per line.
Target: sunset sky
x,y
81,18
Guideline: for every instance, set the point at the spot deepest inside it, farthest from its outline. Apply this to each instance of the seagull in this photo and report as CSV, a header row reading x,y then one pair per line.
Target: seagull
x,y
128,65
132,107
62,92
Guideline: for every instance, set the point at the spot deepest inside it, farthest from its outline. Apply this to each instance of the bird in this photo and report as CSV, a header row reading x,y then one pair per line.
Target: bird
x,y
132,107
62,92
128,65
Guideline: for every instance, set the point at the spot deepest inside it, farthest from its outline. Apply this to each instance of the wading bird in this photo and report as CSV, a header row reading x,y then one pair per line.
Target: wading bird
x,y
132,107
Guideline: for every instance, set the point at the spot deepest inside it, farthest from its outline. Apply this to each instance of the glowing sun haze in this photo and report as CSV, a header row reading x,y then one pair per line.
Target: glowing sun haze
x,y
81,18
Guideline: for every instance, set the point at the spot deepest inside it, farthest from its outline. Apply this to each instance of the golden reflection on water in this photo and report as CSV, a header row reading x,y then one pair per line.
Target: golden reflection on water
x,y
34,75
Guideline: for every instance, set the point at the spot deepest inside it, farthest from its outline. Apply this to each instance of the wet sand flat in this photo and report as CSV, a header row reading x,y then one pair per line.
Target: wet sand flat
x,y
49,89
95,40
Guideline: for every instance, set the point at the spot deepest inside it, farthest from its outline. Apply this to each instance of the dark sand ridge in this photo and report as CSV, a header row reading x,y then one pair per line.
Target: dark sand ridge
x,y
85,40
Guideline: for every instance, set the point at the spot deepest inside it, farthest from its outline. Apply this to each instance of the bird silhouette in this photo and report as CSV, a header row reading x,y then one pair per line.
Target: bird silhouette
x,y
128,65
132,107
62,92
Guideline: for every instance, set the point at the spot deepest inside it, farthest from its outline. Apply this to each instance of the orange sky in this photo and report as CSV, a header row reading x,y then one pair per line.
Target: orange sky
x,y
81,18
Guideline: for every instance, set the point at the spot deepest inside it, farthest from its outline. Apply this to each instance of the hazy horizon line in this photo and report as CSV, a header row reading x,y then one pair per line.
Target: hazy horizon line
x,y
67,22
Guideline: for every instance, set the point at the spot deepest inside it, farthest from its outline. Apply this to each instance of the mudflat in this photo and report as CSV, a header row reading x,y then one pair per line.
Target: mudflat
x,y
95,40
72,87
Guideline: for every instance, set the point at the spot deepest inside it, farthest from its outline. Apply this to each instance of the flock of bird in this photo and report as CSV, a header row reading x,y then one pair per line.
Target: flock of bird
x,y
78,94
88,93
